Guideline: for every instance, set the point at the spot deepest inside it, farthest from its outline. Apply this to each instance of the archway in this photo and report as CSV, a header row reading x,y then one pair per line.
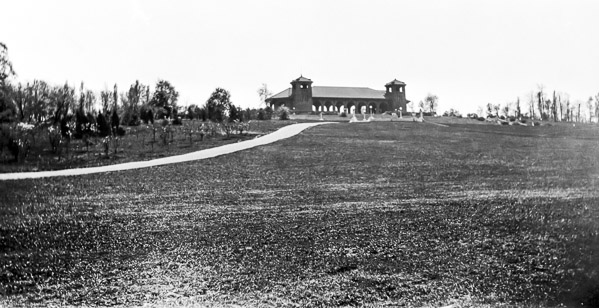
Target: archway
x,y
340,107
351,107
372,107
361,108
328,105
316,106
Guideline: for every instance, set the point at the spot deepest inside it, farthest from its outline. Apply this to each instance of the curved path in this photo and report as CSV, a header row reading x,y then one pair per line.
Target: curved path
x,y
282,133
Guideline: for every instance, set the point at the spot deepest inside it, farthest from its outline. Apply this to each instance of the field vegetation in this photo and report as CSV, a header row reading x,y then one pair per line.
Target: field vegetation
x,y
380,214
48,150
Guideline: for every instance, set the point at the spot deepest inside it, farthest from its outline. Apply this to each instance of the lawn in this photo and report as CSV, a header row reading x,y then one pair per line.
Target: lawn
x,y
380,214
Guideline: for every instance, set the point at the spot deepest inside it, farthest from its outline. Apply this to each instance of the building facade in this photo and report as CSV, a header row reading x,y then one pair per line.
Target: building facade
x,y
303,97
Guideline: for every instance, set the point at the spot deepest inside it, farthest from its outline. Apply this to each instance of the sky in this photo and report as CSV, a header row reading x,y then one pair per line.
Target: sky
x,y
468,53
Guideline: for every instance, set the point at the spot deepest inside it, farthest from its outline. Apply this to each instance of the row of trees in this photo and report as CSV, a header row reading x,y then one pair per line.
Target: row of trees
x,y
546,106
38,102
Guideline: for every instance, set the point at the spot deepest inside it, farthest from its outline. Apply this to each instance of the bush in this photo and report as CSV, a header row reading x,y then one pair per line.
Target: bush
x,y
343,114
481,119
103,127
120,131
114,122
177,121
265,114
283,113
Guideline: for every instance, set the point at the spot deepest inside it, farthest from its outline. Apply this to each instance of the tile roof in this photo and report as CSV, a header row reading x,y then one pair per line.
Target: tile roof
x,y
395,82
338,92
347,92
302,78
282,94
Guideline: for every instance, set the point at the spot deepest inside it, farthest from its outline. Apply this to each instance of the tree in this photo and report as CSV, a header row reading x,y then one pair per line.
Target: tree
x,y
131,102
165,98
218,105
506,109
421,105
7,108
541,102
590,108
452,113
6,69
431,102
597,107
518,111
531,105
263,93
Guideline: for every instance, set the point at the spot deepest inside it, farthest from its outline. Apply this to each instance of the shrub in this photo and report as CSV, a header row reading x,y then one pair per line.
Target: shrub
x,y
55,139
343,114
103,127
120,131
283,113
263,114
114,122
481,119
177,121
65,128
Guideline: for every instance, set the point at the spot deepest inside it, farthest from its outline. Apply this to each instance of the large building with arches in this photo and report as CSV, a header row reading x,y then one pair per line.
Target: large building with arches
x,y
303,97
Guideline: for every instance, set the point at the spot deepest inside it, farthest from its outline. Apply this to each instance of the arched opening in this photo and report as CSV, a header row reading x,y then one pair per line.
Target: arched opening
x,y
316,106
351,107
340,107
328,106
361,108
372,107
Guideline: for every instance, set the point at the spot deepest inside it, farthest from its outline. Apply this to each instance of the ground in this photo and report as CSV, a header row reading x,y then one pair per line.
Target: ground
x,y
379,214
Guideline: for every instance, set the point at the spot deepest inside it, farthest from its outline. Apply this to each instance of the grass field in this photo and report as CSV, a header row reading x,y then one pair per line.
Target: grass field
x,y
379,214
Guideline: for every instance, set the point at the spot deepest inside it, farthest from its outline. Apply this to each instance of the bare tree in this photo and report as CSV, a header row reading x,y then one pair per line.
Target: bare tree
x,y
421,105
597,107
263,93
518,111
431,102
590,108
541,102
531,105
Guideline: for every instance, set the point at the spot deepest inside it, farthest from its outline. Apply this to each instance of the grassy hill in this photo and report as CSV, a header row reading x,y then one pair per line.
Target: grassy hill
x,y
384,213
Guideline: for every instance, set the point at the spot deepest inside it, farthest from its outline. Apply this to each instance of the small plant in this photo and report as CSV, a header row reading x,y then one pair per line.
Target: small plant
x,y
106,145
55,139
343,114
283,113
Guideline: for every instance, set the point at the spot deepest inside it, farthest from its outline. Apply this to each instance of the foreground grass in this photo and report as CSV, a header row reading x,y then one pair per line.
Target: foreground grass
x,y
365,214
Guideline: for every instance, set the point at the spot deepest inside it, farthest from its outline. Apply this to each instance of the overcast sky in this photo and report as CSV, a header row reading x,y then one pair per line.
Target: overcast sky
x,y
468,53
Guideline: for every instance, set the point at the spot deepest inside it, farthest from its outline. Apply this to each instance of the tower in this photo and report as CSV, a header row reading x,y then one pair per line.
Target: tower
x,y
301,94
396,94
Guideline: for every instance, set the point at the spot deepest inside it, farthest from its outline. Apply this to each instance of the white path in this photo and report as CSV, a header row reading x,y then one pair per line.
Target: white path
x,y
282,133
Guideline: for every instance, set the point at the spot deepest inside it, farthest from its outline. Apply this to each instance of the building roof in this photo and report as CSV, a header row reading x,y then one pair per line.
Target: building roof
x,y
338,92
282,94
347,92
395,82
302,79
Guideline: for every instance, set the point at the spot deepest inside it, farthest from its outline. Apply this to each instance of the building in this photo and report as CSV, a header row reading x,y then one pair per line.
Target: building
x,y
303,97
